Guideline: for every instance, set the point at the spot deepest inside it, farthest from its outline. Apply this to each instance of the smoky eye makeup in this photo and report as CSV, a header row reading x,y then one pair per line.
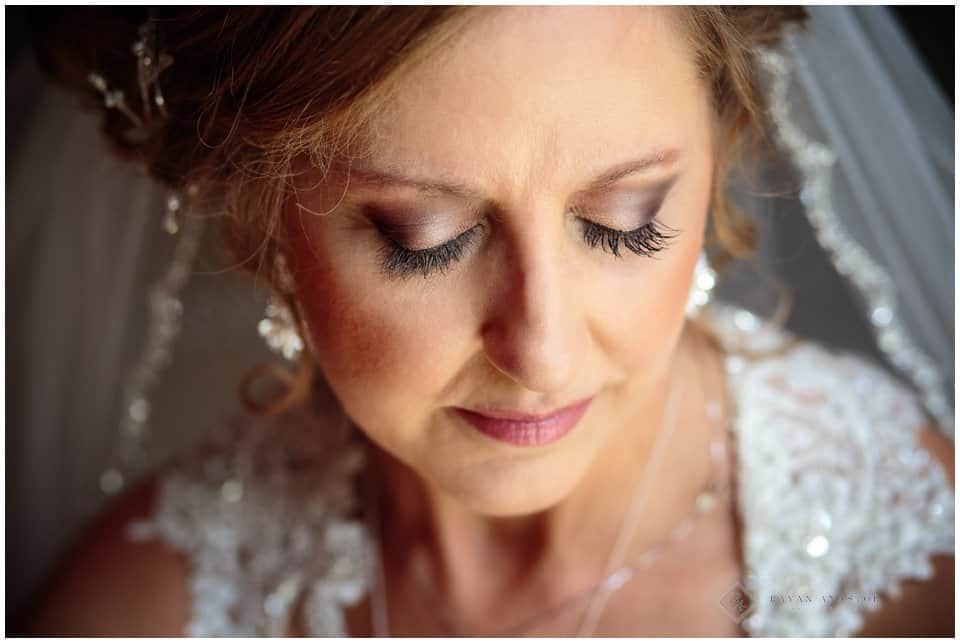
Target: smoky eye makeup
x,y
428,235
625,207
419,227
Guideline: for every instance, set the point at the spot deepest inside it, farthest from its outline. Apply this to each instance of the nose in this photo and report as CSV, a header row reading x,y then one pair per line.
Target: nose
x,y
534,330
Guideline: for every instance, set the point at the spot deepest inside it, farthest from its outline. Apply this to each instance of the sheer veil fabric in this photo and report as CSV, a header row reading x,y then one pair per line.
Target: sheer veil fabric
x,y
84,245
861,90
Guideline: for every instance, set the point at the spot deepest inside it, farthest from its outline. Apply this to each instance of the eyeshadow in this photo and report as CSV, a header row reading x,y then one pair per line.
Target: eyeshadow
x,y
419,228
643,201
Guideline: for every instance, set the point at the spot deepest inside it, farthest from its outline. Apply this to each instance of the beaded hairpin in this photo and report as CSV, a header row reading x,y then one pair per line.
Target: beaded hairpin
x,y
151,62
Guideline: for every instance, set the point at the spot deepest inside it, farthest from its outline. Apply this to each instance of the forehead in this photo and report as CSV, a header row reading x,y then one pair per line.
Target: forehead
x,y
528,95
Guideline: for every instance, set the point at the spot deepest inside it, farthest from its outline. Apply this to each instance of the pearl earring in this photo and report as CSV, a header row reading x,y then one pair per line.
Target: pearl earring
x,y
278,327
701,291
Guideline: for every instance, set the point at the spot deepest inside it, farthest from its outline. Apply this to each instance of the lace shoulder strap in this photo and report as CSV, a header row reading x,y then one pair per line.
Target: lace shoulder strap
x,y
838,500
262,510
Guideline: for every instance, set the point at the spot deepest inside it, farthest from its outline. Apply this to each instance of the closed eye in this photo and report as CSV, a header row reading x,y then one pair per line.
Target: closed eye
x,y
646,240
399,261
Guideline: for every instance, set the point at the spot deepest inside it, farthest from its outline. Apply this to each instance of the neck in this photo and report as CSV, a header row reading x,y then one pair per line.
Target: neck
x,y
473,560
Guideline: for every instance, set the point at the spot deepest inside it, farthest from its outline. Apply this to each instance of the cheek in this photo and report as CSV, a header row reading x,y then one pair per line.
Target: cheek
x,y
369,341
642,306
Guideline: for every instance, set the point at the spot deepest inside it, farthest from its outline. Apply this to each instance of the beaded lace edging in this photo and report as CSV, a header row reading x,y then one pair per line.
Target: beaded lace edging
x,y
839,501
263,514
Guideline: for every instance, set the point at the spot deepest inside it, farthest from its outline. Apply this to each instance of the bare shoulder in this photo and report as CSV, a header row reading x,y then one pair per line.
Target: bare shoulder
x,y
940,447
924,608
111,585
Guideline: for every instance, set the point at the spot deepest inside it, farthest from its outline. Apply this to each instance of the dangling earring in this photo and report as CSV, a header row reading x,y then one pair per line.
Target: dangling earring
x,y
278,327
701,291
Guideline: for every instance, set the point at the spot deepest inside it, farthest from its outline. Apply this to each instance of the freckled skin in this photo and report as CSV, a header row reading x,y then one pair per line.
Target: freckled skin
x,y
526,107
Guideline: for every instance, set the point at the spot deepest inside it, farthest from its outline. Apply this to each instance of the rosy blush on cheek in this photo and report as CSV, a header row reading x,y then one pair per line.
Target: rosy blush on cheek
x,y
386,356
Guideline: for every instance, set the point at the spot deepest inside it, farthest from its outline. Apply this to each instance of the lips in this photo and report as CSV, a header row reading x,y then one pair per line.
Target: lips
x,y
523,429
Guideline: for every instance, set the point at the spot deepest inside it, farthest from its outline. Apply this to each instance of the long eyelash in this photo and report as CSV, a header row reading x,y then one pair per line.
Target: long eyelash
x,y
646,241
398,261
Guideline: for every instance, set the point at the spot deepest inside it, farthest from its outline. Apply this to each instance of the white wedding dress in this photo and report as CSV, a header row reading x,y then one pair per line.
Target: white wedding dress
x,y
834,495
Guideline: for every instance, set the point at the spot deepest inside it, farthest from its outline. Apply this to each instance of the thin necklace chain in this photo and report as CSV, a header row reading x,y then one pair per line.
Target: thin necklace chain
x,y
617,574
598,599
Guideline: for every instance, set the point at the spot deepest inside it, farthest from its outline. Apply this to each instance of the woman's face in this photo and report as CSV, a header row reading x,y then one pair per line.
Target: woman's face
x,y
469,261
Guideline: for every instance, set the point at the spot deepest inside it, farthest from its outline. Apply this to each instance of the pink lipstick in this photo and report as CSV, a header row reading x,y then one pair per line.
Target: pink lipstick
x,y
523,429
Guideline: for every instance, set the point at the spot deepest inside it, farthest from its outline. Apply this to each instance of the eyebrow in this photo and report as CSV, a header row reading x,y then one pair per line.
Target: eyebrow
x,y
369,175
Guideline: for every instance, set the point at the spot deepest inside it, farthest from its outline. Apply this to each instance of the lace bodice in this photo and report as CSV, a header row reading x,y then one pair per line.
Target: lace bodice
x,y
838,502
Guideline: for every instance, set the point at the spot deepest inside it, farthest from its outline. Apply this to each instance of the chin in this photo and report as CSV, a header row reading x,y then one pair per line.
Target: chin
x,y
513,489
